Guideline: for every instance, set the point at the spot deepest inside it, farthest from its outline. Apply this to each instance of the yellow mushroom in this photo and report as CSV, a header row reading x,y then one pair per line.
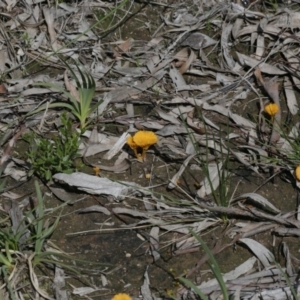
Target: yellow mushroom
x,y
121,296
132,145
271,109
97,171
143,140
297,173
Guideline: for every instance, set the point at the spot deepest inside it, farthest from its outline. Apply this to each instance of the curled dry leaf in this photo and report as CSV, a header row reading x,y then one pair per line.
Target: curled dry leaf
x,y
260,43
167,116
260,200
174,180
154,242
60,284
145,288
239,120
293,65
177,78
226,33
82,291
64,195
169,130
117,146
212,180
197,127
261,252
49,14
263,66
95,208
290,96
71,87
18,175
183,59
3,89
131,212
123,48
288,19
289,265
198,40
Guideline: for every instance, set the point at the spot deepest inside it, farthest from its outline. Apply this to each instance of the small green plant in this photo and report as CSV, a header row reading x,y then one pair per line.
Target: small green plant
x,y
25,247
50,156
26,38
80,100
274,5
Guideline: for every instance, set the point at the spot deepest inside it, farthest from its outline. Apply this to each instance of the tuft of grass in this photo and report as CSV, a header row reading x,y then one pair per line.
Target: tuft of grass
x,y
25,251
50,156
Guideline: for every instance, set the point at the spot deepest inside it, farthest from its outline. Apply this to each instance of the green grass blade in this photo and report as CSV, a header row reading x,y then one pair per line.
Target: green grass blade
x,y
188,283
6,280
40,215
52,105
4,261
59,89
213,265
2,185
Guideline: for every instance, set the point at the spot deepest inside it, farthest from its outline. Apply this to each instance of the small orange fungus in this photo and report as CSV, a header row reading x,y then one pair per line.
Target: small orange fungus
x,y
131,143
97,171
271,109
121,296
297,173
142,140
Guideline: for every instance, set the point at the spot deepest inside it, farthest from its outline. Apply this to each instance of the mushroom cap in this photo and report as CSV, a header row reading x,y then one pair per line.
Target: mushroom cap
x,y
121,296
297,173
131,143
144,139
271,109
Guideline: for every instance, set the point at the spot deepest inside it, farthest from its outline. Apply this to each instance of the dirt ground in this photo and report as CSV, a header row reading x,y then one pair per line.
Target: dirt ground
x,y
122,243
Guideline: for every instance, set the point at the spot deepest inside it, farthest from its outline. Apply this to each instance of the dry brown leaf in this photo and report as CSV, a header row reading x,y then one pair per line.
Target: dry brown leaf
x,y
123,48
183,59
198,40
263,66
3,89
70,87
290,96
197,127
49,14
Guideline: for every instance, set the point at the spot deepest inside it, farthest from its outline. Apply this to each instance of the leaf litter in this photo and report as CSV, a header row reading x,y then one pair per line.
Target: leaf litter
x,y
200,81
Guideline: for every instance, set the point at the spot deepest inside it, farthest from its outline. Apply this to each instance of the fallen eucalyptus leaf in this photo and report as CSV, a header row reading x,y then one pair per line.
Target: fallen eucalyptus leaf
x,y
198,40
212,180
98,185
261,252
95,208
259,199
263,66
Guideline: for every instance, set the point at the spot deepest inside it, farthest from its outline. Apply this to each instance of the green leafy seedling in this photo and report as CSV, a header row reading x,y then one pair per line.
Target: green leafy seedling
x,y
80,107
50,156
